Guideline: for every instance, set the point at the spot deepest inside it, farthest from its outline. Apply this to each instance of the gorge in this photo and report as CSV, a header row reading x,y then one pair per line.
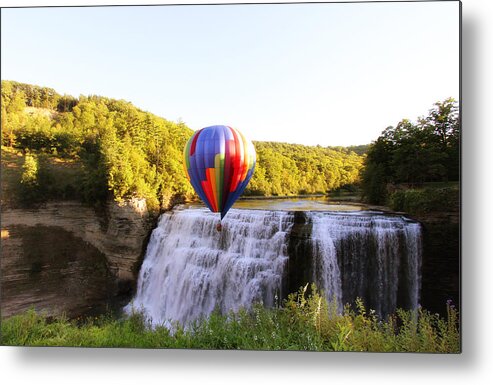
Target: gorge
x,y
73,258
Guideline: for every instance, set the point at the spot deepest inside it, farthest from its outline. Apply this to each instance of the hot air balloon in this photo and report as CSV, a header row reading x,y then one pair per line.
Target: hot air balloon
x,y
219,162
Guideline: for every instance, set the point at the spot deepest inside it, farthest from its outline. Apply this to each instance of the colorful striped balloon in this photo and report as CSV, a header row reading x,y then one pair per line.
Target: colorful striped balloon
x,y
219,162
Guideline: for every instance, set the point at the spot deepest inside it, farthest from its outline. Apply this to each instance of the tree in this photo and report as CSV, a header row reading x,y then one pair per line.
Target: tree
x,y
444,121
414,153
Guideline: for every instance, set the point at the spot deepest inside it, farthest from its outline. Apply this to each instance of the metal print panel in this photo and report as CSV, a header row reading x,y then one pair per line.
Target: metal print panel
x,y
240,176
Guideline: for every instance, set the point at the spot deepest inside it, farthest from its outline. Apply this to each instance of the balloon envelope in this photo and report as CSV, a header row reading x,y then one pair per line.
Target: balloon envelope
x,y
219,162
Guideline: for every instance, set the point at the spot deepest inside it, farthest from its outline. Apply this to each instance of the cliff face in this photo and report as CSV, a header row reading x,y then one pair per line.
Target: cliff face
x,y
74,258
71,257
441,261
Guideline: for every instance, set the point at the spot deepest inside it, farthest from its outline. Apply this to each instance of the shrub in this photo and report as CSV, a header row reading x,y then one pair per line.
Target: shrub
x,y
29,187
427,200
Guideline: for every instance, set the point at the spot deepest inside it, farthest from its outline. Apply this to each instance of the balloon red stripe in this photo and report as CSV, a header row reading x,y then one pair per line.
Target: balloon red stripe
x,y
237,162
206,185
194,142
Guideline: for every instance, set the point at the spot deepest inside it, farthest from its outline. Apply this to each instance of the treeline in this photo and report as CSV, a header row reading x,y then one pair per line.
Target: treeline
x,y
289,169
126,152
413,153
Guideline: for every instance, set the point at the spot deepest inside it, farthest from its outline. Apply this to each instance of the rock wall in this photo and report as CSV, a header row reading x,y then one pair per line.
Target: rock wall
x,y
70,257
300,252
441,261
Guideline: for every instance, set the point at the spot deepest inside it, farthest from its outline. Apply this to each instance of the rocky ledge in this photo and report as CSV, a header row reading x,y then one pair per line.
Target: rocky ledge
x,y
72,258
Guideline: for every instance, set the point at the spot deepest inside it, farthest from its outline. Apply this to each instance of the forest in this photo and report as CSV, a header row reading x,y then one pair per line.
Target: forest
x,y
414,154
124,152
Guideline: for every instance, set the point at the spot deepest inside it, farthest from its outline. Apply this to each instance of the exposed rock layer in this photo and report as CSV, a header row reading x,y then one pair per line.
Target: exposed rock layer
x,y
441,261
71,257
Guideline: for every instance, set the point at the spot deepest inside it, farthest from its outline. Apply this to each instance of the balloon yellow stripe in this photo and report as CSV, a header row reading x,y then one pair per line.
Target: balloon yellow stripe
x,y
246,156
186,153
219,171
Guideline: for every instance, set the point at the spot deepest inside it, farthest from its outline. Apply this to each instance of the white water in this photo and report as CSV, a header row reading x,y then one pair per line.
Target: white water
x,y
361,256
190,268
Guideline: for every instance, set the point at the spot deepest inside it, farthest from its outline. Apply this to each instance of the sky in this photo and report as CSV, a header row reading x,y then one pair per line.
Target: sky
x,y
315,74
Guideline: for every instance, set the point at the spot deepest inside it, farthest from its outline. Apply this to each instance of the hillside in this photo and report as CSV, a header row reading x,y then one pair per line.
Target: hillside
x,y
111,149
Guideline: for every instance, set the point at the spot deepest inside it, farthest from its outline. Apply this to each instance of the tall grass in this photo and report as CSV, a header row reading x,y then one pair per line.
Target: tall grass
x,y
306,322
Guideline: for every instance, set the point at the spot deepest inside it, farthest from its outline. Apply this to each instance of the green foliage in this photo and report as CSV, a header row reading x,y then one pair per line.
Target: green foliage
x,y
129,153
12,104
34,96
414,153
30,171
421,201
125,152
40,178
294,169
361,149
29,189
306,322
375,183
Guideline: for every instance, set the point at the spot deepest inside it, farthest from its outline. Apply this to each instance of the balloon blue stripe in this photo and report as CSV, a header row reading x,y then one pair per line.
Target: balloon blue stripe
x,y
195,180
199,155
219,143
200,192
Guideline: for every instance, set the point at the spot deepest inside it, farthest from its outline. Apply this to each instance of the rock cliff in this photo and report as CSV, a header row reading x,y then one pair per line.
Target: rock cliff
x,y
72,258
441,261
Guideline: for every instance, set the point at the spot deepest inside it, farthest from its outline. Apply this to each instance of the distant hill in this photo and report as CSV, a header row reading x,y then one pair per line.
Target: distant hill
x,y
124,152
362,149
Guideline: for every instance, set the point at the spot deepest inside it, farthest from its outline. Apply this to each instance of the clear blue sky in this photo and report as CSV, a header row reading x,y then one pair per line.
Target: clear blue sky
x,y
328,74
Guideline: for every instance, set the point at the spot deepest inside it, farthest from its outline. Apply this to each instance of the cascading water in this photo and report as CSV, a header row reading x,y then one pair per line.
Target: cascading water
x,y
190,269
373,257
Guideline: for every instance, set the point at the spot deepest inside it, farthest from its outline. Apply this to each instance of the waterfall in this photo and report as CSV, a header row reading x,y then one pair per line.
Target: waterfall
x,y
326,273
190,268
374,257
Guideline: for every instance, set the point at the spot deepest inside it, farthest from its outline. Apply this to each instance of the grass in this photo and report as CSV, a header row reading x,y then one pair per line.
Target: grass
x,y
59,178
306,322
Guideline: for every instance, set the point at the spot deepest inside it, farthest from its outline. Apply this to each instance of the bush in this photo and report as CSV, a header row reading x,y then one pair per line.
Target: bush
x,y
427,200
29,188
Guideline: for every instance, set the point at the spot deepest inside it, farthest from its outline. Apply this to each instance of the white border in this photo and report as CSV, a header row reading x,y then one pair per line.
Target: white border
x,y
120,366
